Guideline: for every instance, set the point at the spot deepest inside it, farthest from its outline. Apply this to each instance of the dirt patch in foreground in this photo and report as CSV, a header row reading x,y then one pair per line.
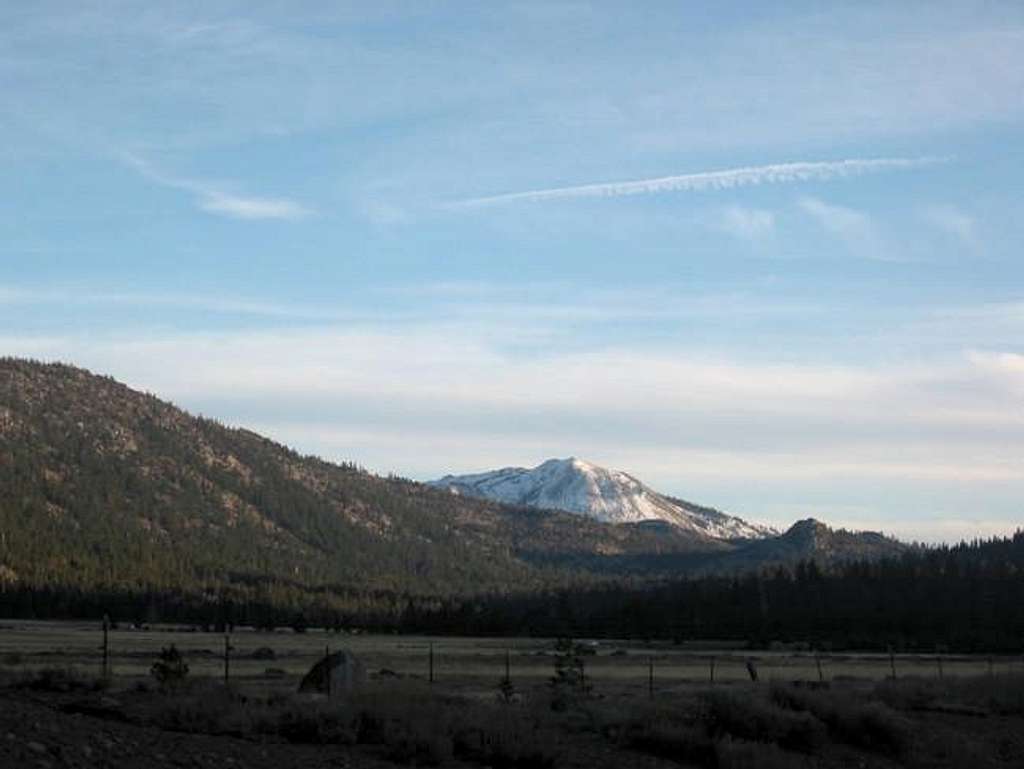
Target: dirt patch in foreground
x,y
36,735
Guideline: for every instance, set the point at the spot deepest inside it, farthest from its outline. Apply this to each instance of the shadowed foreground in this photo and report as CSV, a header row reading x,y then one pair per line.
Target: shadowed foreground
x,y
56,718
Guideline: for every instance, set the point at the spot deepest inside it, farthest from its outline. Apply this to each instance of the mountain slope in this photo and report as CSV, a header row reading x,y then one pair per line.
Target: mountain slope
x,y
112,498
810,539
102,485
596,492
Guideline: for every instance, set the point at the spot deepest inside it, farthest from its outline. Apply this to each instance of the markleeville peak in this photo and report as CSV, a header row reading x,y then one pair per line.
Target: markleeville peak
x,y
610,496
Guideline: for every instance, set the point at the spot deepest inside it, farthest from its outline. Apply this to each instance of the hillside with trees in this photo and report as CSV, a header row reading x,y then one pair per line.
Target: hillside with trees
x,y
113,500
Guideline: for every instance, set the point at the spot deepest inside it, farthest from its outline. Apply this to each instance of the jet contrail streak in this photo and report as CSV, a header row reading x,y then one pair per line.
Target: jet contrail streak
x,y
779,173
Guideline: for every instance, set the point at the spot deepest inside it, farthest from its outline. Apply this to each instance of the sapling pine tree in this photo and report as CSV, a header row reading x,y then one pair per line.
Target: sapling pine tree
x,y
170,668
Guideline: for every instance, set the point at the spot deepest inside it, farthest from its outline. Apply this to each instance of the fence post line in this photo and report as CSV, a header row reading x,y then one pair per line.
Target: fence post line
x,y
430,663
712,669
327,670
892,663
227,658
106,646
817,661
508,666
650,677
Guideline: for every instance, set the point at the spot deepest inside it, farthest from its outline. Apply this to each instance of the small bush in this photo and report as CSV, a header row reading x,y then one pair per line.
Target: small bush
x,y
869,725
60,680
309,723
752,718
1000,694
685,743
170,668
569,685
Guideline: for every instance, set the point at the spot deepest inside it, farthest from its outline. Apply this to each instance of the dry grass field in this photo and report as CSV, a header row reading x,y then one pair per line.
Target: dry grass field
x,y
467,664
55,712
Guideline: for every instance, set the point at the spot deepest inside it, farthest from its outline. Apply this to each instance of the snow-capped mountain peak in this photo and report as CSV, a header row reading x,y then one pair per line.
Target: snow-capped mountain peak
x,y
612,496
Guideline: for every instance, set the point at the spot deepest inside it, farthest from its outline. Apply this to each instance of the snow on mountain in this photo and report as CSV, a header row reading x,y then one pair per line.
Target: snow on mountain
x,y
606,495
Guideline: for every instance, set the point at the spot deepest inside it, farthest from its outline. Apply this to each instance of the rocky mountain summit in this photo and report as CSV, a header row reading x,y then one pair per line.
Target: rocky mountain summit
x,y
611,496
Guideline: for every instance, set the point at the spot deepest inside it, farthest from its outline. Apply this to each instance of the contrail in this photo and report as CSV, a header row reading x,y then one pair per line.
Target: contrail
x,y
749,176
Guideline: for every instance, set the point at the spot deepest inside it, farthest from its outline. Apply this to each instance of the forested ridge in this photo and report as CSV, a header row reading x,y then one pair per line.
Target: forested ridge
x,y
113,500
108,489
967,597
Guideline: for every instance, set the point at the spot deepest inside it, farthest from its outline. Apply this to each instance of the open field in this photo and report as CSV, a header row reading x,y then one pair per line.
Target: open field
x,y
468,664
56,712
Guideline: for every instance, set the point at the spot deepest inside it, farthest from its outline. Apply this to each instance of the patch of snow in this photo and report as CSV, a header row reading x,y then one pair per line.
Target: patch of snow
x,y
612,496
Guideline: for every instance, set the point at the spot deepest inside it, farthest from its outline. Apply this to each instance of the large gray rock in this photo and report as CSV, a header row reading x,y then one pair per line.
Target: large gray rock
x,y
336,675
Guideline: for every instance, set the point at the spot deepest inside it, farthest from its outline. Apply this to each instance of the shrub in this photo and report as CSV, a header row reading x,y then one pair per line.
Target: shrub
x,y
60,680
307,723
752,718
569,683
1000,694
170,668
740,754
869,725
685,743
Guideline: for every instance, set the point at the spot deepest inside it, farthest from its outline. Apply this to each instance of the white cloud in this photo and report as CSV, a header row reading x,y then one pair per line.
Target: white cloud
x,y
778,173
716,418
252,208
427,398
213,199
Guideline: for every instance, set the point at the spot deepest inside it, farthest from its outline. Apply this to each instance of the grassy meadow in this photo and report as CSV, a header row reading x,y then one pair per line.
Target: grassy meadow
x,y
467,665
848,713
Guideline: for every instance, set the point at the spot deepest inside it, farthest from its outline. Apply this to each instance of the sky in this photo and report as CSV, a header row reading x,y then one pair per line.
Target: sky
x,y
763,256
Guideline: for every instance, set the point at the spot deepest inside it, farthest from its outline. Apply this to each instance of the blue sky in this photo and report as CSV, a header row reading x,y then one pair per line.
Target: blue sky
x,y
763,256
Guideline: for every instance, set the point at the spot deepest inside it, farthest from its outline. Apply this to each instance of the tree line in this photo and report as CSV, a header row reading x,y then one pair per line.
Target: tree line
x,y
968,597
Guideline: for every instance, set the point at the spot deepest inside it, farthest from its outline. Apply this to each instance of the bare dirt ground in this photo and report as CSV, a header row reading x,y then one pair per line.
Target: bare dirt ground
x,y
35,732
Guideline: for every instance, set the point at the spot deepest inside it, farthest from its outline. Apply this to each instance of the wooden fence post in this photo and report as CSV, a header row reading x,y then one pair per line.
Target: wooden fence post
x,y
106,646
892,663
650,677
327,671
430,663
227,658
752,670
712,670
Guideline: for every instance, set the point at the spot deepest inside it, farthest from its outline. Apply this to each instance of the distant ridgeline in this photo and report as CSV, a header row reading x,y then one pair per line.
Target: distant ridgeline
x,y
114,501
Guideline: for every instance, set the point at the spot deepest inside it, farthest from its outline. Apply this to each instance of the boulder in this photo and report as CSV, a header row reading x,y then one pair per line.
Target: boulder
x,y
336,675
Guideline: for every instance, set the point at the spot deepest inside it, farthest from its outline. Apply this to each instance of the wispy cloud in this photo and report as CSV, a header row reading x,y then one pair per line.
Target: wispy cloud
x,y
15,295
748,176
745,223
854,228
538,307
213,199
952,221
839,220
